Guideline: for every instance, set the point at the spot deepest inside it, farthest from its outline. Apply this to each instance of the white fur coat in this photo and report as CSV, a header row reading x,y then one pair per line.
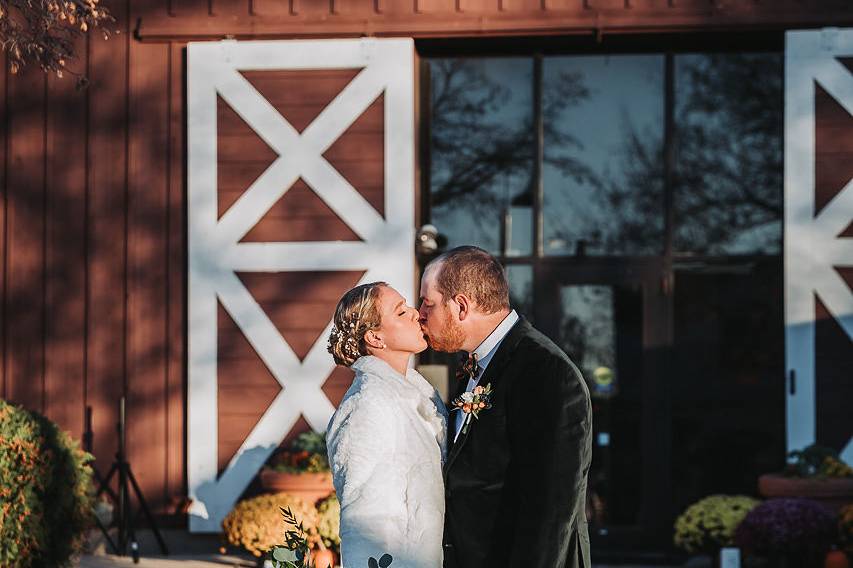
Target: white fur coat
x,y
386,447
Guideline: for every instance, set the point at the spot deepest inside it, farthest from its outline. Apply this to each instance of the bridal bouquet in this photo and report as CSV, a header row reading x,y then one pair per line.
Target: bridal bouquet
x,y
473,402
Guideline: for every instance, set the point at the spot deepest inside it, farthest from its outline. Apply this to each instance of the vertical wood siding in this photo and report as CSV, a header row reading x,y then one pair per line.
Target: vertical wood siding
x,y
93,220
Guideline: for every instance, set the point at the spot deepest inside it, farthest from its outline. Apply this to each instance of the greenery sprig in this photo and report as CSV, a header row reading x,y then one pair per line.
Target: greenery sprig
x,y
294,553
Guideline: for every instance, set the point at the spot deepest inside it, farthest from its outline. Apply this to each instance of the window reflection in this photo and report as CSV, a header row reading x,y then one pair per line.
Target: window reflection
x,y
482,151
587,326
603,171
520,277
728,186
601,330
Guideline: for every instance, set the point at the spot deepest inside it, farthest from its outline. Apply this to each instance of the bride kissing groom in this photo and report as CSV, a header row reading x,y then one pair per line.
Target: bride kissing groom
x,y
499,478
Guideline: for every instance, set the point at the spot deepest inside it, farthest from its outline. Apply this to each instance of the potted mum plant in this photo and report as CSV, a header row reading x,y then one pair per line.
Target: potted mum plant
x,y
816,473
255,524
709,524
841,555
791,533
301,469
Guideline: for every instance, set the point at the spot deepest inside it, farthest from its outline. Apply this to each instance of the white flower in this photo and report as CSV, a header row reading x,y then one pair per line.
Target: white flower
x,y
467,397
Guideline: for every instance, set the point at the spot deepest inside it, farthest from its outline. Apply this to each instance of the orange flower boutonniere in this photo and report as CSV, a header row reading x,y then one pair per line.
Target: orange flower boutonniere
x,y
473,402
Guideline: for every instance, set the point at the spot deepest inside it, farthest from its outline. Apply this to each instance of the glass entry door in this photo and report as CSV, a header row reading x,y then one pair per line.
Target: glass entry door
x,y
612,320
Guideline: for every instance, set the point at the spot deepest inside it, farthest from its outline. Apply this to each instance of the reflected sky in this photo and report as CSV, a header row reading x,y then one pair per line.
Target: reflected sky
x,y
520,277
624,99
603,170
587,327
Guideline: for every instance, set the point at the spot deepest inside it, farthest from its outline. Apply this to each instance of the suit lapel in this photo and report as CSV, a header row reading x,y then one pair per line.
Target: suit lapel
x,y
493,373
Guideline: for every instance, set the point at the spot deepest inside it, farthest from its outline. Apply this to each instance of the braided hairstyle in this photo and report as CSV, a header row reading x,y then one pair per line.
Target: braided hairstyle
x,y
357,313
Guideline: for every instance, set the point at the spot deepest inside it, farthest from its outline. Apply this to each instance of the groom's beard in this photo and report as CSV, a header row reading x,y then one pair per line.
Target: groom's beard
x,y
450,339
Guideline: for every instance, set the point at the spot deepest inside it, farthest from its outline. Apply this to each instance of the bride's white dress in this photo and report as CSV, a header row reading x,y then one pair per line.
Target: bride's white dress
x,y
386,448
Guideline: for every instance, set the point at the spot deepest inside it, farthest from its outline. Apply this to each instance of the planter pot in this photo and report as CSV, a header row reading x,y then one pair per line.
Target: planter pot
x,y
831,492
309,486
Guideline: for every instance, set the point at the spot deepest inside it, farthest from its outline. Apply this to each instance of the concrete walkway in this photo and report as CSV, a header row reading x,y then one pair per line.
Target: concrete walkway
x,y
222,561
176,561
202,551
95,561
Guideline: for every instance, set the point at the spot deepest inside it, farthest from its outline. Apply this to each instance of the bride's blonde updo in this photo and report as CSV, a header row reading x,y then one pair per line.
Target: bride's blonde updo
x,y
356,314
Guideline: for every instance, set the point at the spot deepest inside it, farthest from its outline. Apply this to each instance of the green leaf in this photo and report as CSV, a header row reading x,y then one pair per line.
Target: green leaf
x,y
283,555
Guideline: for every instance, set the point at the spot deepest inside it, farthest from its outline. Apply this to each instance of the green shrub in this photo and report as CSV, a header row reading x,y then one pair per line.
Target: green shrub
x,y
45,491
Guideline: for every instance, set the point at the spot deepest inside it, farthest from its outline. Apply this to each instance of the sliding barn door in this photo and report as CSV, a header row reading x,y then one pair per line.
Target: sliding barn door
x,y
301,185
819,238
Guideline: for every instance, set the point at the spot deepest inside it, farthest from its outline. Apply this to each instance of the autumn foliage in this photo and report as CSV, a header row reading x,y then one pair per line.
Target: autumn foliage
x,y
43,31
45,491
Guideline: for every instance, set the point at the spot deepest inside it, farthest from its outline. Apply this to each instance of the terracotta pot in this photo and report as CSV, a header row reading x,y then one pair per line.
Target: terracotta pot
x,y
836,559
309,486
833,492
323,558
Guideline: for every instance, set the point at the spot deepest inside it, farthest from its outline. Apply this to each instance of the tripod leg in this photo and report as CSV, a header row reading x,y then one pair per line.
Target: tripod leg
x,y
104,485
144,507
107,535
123,509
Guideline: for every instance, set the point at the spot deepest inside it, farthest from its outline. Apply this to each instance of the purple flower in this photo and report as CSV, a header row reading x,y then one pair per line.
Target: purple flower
x,y
786,526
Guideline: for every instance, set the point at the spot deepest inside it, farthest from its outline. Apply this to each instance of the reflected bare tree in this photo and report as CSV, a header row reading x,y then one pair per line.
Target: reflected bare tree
x,y
480,143
728,180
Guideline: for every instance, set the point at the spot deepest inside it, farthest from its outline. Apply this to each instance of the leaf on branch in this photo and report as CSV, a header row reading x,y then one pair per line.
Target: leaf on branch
x,y
43,32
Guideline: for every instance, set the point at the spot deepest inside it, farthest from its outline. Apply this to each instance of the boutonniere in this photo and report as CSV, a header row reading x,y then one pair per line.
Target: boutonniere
x,y
473,402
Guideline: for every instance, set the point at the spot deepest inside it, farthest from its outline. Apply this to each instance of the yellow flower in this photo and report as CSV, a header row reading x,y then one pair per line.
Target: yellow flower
x,y
711,522
256,524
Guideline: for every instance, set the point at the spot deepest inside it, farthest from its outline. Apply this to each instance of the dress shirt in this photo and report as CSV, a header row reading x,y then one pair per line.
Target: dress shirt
x,y
485,352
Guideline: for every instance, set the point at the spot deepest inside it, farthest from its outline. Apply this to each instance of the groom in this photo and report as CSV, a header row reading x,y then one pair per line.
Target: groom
x,y
516,477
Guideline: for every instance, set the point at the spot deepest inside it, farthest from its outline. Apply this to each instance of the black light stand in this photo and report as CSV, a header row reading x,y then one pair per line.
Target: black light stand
x,y
88,438
125,518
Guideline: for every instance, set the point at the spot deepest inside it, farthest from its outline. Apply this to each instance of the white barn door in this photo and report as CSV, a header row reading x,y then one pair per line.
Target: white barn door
x,y
382,246
817,219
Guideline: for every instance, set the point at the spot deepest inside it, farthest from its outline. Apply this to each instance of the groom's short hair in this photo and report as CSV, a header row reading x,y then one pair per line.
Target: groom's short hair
x,y
474,272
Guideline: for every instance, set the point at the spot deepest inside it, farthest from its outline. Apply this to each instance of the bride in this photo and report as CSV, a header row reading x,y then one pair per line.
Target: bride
x,y
386,440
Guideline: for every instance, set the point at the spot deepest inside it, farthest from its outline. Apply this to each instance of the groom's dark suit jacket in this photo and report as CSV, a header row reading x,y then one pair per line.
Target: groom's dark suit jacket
x,y
516,481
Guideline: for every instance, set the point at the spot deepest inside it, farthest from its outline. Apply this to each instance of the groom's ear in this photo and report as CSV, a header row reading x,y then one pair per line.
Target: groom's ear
x,y
464,306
